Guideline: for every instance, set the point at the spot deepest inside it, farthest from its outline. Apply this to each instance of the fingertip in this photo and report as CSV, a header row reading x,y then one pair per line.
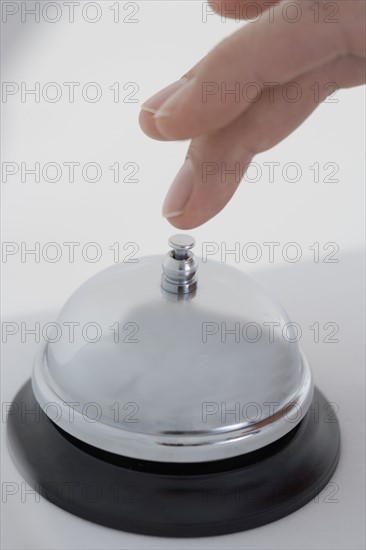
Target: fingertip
x,y
183,220
148,126
176,114
151,112
166,127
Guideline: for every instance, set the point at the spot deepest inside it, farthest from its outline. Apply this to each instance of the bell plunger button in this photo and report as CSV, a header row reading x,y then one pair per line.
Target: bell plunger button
x,y
180,266
181,244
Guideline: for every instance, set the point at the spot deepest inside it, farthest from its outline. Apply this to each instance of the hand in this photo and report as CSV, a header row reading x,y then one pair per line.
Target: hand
x,y
271,65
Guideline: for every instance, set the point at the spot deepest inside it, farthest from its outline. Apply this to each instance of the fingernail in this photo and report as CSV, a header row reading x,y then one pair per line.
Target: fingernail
x,y
153,103
173,214
148,109
179,191
176,100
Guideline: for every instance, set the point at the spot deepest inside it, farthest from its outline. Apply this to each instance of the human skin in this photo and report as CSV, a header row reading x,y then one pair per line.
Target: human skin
x,y
326,44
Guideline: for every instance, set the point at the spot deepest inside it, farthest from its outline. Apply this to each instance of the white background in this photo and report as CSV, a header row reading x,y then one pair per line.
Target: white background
x,y
167,40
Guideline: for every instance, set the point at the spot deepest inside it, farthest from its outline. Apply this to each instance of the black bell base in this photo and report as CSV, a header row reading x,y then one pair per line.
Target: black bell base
x,y
174,500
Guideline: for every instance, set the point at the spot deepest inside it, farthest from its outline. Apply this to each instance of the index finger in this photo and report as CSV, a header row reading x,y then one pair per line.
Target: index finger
x,y
256,55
